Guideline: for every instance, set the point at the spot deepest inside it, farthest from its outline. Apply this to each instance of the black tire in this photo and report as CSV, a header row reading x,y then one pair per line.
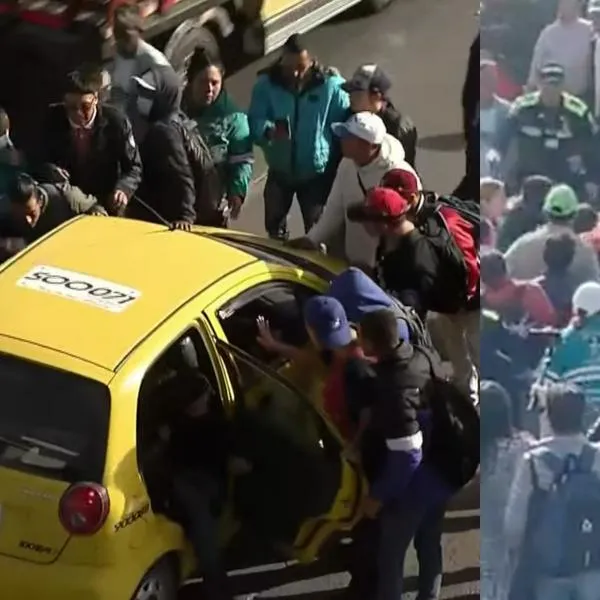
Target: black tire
x,y
161,582
375,6
198,37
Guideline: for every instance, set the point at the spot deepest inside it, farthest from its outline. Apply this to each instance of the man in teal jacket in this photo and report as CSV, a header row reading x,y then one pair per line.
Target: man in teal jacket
x,y
576,358
294,103
223,126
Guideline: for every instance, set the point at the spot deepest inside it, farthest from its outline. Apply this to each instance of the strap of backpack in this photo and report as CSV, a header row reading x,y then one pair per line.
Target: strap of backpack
x,y
558,466
467,209
361,184
587,459
434,362
535,480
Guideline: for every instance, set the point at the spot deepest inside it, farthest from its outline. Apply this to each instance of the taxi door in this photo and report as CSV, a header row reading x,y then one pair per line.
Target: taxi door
x,y
301,491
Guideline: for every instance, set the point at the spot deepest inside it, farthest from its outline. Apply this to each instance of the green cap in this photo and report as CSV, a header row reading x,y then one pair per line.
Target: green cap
x,y
561,201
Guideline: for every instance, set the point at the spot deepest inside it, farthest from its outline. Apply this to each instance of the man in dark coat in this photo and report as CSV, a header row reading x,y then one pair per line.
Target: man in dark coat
x,y
92,142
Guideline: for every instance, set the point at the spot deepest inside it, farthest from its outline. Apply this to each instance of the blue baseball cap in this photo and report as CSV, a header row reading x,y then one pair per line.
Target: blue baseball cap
x,y
327,319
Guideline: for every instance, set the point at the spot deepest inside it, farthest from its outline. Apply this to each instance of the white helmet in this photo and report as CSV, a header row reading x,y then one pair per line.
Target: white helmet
x,y
586,298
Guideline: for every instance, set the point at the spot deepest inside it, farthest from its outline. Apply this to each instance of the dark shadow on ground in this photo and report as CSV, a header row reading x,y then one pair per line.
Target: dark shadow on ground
x,y
242,585
445,142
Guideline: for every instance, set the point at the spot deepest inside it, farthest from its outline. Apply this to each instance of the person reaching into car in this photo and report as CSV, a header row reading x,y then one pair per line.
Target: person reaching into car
x,y
428,263
369,89
201,452
407,497
223,126
369,153
36,209
333,338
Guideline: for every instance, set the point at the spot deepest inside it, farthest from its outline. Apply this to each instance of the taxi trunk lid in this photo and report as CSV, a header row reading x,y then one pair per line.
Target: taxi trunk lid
x,y
29,525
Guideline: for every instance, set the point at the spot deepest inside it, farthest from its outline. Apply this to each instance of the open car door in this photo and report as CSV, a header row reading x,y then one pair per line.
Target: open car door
x,y
301,491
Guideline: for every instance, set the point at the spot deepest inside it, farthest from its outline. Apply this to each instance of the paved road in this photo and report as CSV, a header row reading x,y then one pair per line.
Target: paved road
x,y
423,45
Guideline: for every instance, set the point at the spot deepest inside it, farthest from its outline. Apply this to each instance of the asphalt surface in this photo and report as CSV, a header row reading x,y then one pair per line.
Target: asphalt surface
x,y
423,45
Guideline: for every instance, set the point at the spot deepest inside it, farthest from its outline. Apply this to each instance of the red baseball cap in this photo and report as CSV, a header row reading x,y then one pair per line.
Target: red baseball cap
x,y
404,181
381,204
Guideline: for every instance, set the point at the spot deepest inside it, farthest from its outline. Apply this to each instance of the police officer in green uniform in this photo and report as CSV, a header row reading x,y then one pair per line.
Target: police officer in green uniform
x,y
555,135
223,126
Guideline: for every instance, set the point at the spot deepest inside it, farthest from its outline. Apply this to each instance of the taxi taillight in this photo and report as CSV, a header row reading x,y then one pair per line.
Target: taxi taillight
x,y
83,508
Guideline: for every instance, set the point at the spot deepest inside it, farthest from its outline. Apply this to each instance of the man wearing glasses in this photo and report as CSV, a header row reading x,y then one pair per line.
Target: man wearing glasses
x,y
92,143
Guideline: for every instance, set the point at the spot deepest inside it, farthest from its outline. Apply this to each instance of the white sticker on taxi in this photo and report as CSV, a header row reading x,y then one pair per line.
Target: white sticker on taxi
x,y
81,288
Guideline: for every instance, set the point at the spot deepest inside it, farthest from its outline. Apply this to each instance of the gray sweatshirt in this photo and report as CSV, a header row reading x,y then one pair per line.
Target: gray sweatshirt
x,y
525,258
569,45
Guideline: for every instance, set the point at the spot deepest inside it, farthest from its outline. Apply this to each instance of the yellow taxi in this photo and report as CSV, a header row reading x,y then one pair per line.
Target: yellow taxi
x,y
89,316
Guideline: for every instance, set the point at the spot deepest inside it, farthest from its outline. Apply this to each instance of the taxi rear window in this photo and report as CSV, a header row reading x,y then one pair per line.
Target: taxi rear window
x,y
52,423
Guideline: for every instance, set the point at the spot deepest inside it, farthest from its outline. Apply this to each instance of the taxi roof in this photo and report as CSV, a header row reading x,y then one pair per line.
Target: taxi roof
x,y
95,287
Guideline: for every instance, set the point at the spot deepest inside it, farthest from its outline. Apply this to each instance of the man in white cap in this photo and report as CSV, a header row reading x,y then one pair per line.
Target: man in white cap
x,y
369,153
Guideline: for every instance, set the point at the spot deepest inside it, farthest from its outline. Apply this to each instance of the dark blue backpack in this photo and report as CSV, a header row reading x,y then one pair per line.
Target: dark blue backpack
x,y
566,535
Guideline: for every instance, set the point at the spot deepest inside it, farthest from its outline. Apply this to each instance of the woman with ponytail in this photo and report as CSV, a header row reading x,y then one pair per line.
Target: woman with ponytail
x,y
223,126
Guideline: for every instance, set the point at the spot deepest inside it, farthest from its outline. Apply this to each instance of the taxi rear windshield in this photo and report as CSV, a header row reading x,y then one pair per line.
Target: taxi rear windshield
x,y
52,423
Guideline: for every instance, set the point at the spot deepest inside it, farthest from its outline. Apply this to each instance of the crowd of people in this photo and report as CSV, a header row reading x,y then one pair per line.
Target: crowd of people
x,y
540,296
138,140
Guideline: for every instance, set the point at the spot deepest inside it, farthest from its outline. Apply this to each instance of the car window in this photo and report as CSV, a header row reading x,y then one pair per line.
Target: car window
x,y
280,303
155,406
52,423
274,402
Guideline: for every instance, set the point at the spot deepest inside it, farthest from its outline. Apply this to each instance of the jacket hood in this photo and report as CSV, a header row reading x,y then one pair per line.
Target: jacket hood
x,y
166,95
358,293
391,154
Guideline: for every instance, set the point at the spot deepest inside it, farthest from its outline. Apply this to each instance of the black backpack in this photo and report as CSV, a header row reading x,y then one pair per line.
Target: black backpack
x,y
453,446
207,180
419,334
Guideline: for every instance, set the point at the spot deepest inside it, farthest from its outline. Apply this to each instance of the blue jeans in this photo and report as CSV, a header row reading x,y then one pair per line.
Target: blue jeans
x,y
379,549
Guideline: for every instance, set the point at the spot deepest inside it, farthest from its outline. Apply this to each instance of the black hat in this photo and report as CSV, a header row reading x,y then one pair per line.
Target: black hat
x,y
552,73
368,78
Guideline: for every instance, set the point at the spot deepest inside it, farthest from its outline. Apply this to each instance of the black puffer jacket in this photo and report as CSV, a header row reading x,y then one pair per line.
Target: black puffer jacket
x,y
403,129
168,182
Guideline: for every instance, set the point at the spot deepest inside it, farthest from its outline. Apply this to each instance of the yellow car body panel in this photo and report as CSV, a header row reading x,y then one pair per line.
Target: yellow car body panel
x,y
181,279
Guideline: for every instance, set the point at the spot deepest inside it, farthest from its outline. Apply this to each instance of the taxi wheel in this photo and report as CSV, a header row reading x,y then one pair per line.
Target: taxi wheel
x,y
160,583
